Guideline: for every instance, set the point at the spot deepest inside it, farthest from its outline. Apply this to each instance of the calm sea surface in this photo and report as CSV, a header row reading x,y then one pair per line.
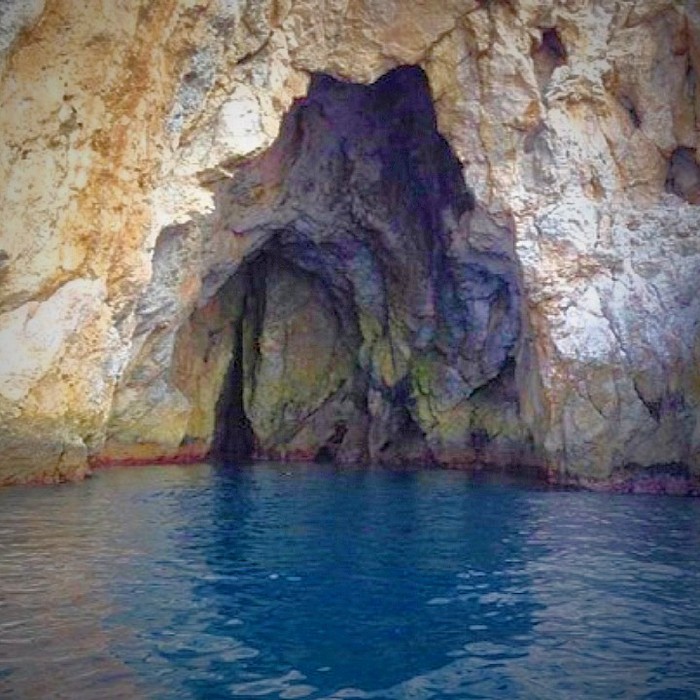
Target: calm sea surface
x,y
276,581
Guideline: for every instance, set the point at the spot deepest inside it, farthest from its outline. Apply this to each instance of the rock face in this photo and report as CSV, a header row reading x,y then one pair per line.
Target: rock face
x,y
374,328
453,233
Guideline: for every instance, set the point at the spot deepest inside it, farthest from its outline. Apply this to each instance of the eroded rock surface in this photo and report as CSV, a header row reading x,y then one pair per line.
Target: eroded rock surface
x,y
519,285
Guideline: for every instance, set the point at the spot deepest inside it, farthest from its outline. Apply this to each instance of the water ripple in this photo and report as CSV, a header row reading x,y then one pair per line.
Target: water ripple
x,y
320,583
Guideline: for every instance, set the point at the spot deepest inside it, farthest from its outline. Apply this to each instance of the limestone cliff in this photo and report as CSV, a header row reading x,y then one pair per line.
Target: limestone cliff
x,y
453,232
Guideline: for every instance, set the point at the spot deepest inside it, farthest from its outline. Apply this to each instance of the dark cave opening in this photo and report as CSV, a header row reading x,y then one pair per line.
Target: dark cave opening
x,y
631,109
234,439
363,295
683,176
553,45
547,55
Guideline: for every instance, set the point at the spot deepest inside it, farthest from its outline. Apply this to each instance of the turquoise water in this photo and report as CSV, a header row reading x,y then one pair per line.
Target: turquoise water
x,y
310,582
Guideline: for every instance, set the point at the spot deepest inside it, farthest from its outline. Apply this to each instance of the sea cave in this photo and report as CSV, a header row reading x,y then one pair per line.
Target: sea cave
x,y
367,324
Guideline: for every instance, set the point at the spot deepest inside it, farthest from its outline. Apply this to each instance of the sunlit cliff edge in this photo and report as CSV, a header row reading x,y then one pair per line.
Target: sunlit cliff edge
x,y
213,235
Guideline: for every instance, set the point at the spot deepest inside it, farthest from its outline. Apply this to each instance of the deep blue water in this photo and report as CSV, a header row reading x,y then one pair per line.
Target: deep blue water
x,y
310,582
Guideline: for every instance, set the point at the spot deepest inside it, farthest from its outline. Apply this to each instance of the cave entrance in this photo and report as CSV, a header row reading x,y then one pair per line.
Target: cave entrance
x,y
234,439
362,316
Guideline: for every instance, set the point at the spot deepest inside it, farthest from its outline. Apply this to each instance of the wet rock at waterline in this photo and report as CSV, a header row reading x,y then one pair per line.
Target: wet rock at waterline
x,y
479,219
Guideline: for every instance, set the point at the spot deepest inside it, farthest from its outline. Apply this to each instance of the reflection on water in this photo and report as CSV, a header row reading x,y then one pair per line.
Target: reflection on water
x,y
288,582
